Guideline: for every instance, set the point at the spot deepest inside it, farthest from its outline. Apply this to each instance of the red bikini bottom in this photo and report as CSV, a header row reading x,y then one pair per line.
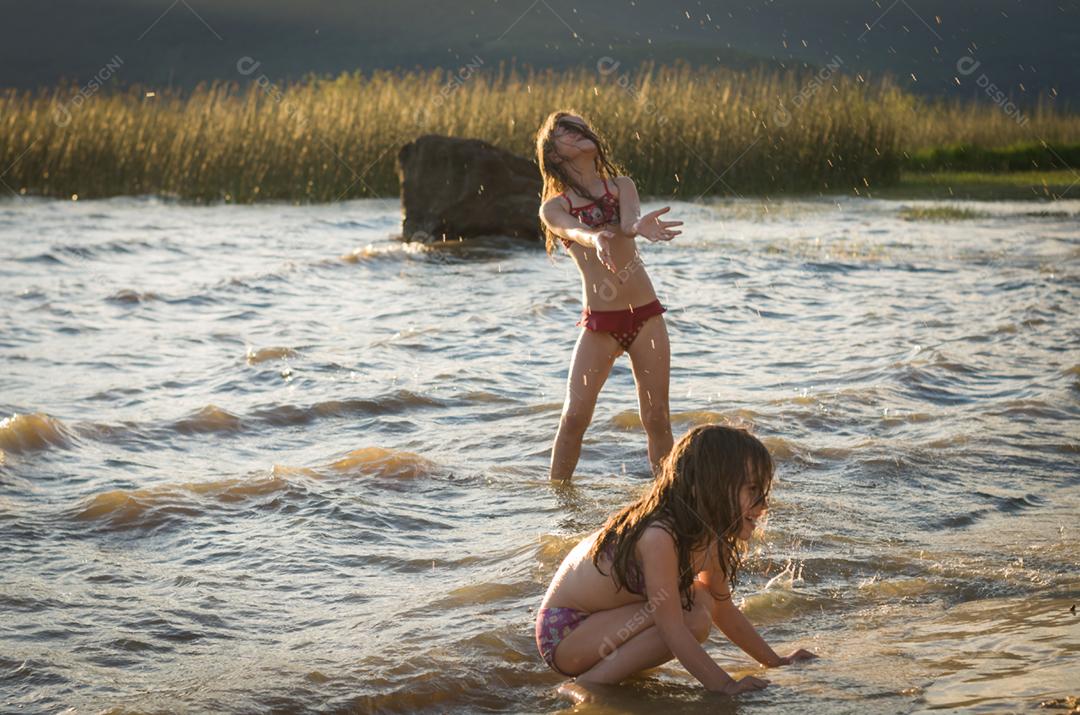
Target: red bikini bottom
x,y
624,325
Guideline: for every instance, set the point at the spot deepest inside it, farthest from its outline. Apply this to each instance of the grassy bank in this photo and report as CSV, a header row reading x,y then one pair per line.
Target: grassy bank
x,y
986,186
680,132
972,157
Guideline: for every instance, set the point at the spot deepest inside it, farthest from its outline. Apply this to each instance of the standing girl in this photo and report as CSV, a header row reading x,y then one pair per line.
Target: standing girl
x,y
593,211
649,585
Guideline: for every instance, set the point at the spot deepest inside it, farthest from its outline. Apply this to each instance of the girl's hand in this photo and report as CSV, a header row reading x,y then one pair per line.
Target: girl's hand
x,y
744,685
800,654
603,248
651,227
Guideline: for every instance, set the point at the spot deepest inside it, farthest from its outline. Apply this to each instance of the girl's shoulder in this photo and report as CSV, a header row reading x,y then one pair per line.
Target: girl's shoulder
x,y
657,536
626,189
558,201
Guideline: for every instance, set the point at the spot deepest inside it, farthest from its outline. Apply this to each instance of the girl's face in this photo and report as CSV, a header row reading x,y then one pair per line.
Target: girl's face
x,y
752,504
570,141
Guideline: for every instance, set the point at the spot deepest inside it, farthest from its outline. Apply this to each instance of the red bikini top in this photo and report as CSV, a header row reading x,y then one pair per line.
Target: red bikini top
x,y
594,213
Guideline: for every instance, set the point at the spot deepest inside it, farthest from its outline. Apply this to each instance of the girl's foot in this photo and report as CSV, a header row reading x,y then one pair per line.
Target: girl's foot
x,y
577,694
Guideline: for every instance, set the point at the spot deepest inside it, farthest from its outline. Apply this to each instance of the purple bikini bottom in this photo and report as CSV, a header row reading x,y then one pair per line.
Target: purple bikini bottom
x,y
552,625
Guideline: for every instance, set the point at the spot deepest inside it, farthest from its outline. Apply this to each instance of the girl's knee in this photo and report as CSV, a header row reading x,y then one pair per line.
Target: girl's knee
x,y
656,420
575,421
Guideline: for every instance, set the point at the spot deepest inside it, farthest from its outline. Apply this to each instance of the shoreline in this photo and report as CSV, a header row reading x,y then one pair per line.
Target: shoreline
x,y
1035,186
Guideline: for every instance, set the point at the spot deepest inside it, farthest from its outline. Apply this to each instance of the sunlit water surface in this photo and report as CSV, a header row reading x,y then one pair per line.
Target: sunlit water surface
x,y
269,458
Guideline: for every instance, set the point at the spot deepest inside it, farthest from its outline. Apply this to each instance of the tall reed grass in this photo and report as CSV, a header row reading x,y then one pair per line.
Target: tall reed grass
x,y
680,131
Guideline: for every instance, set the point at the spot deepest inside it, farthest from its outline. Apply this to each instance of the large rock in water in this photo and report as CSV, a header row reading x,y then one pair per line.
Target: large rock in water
x,y
462,188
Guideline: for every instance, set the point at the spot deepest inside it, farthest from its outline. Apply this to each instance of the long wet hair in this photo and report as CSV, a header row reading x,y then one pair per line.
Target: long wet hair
x,y
695,498
556,179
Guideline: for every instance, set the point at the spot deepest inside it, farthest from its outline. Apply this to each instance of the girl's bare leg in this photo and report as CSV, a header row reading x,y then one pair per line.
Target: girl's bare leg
x,y
610,646
650,358
590,366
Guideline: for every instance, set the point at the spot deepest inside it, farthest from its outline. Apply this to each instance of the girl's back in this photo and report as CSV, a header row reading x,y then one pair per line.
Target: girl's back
x,y
580,585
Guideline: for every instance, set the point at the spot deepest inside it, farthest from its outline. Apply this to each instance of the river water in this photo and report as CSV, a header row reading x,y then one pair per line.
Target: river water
x,y
268,458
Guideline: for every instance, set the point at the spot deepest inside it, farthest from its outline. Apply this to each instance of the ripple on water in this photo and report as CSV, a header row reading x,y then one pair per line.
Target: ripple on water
x,y
984,650
396,402
30,672
998,504
47,258
1039,409
929,385
128,296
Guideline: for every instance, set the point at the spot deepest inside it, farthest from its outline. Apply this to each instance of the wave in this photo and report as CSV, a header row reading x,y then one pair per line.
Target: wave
x,y
254,357
127,296
471,250
346,224
21,433
553,548
151,506
212,418
32,432
630,419
41,258
484,593
877,587
387,250
209,419
1032,408
401,339
378,461
93,250
786,595
779,447
958,439
998,504
785,449
286,472
393,403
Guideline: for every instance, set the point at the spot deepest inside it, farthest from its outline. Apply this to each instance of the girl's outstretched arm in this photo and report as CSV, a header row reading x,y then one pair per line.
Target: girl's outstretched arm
x,y
629,205
738,628
660,564
650,226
